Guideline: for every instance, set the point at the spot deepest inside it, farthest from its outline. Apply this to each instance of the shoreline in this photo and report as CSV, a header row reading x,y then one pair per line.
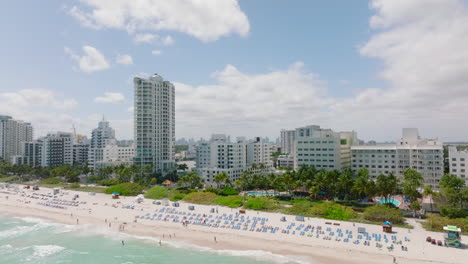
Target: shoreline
x,y
98,212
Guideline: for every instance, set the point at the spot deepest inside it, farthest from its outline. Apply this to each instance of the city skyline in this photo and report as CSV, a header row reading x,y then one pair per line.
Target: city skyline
x,y
368,72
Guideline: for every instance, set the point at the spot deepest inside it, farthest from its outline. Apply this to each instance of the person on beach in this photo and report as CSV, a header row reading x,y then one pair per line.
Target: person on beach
x,y
77,220
215,240
123,244
170,236
159,242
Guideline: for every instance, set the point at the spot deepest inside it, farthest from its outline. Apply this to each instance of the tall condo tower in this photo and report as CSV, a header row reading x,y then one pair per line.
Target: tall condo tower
x,y
154,123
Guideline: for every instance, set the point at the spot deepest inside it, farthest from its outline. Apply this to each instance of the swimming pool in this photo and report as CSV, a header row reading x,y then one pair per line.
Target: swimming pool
x,y
263,193
391,200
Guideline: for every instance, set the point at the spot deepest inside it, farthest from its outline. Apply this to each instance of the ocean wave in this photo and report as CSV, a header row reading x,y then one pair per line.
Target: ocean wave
x,y
46,250
19,230
86,230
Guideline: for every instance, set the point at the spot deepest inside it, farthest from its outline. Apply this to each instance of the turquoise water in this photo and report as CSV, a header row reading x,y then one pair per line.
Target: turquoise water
x,y
391,200
262,193
27,240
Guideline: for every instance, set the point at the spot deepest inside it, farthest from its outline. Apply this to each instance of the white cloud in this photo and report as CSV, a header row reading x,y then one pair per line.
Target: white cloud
x,y
156,52
44,108
422,45
131,109
153,39
206,20
145,38
167,41
110,98
244,102
124,59
92,60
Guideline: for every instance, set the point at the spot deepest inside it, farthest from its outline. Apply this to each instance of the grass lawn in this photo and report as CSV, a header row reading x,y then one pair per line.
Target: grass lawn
x,y
95,189
9,179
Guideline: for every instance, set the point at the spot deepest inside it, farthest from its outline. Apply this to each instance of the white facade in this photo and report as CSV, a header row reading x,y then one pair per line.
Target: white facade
x,y
458,163
259,153
115,154
57,149
221,155
323,148
287,141
285,161
99,138
12,134
154,123
410,151
32,154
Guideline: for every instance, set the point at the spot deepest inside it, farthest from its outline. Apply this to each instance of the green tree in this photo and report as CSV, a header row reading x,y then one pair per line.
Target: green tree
x,y
345,183
387,185
428,192
412,181
221,178
192,180
363,186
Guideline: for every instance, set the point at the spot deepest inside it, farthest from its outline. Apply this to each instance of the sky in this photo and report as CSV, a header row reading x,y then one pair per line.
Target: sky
x,y
240,67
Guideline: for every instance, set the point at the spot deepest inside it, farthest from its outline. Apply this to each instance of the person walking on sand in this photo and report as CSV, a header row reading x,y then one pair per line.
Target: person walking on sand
x,y
77,220
215,240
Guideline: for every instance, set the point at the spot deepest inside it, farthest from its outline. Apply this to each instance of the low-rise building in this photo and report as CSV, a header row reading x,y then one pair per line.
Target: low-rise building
x,y
323,148
410,151
458,163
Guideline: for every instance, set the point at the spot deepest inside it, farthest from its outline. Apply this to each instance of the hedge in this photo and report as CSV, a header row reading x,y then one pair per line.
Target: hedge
x,y
126,189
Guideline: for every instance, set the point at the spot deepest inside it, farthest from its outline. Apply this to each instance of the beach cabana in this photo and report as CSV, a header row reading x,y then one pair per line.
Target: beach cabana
x,y
175,204
283,219
165,202
191,207
167,182
361,230
452,237
387,227
115,195
300,218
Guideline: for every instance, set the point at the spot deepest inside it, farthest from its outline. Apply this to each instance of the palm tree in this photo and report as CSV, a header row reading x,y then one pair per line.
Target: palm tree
x,y
428,192
345,182
363,185
220,178
387,185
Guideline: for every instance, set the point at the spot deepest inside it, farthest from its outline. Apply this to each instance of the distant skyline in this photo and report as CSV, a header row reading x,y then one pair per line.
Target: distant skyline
x,y
240,67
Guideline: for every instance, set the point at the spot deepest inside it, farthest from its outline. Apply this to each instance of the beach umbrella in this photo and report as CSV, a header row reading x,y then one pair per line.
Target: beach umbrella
x,y
115,193
387,223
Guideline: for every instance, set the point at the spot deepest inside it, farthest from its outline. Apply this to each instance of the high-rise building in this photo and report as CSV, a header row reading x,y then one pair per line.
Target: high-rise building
x,y
287,141
32,154
259,153
410,151
12,134
81,152
57,149
154,123
458,163
323,148
99,138
116,153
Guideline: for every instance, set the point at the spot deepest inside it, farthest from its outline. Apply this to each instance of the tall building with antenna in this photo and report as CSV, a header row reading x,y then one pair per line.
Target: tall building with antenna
x,y
154,123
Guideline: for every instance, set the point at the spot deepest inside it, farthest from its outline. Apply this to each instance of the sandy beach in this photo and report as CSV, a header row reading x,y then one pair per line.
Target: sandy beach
x,y
215,230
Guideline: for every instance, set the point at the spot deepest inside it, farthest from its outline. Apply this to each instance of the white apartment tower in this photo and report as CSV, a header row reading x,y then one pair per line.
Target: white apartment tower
x,y
287,141
458,163
57,149
323,148
99,138
259,153
12,134
154,123
410,151
221,155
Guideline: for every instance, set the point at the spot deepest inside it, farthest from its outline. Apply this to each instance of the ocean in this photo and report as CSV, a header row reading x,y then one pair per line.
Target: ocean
x,y
30,240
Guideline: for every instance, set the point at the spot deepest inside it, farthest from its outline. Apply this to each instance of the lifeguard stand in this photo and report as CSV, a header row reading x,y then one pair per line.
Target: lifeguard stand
x,y
452,237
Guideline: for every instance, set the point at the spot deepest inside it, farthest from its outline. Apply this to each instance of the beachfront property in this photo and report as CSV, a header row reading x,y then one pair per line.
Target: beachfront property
x,y
285,161
154,123
410,151
57,149
287,141
116,153
32,154
100,136
323,148
219,155
81,152
12,134
458,162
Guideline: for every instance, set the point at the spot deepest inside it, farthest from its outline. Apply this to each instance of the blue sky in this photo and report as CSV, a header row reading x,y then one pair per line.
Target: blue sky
x,y
247,67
